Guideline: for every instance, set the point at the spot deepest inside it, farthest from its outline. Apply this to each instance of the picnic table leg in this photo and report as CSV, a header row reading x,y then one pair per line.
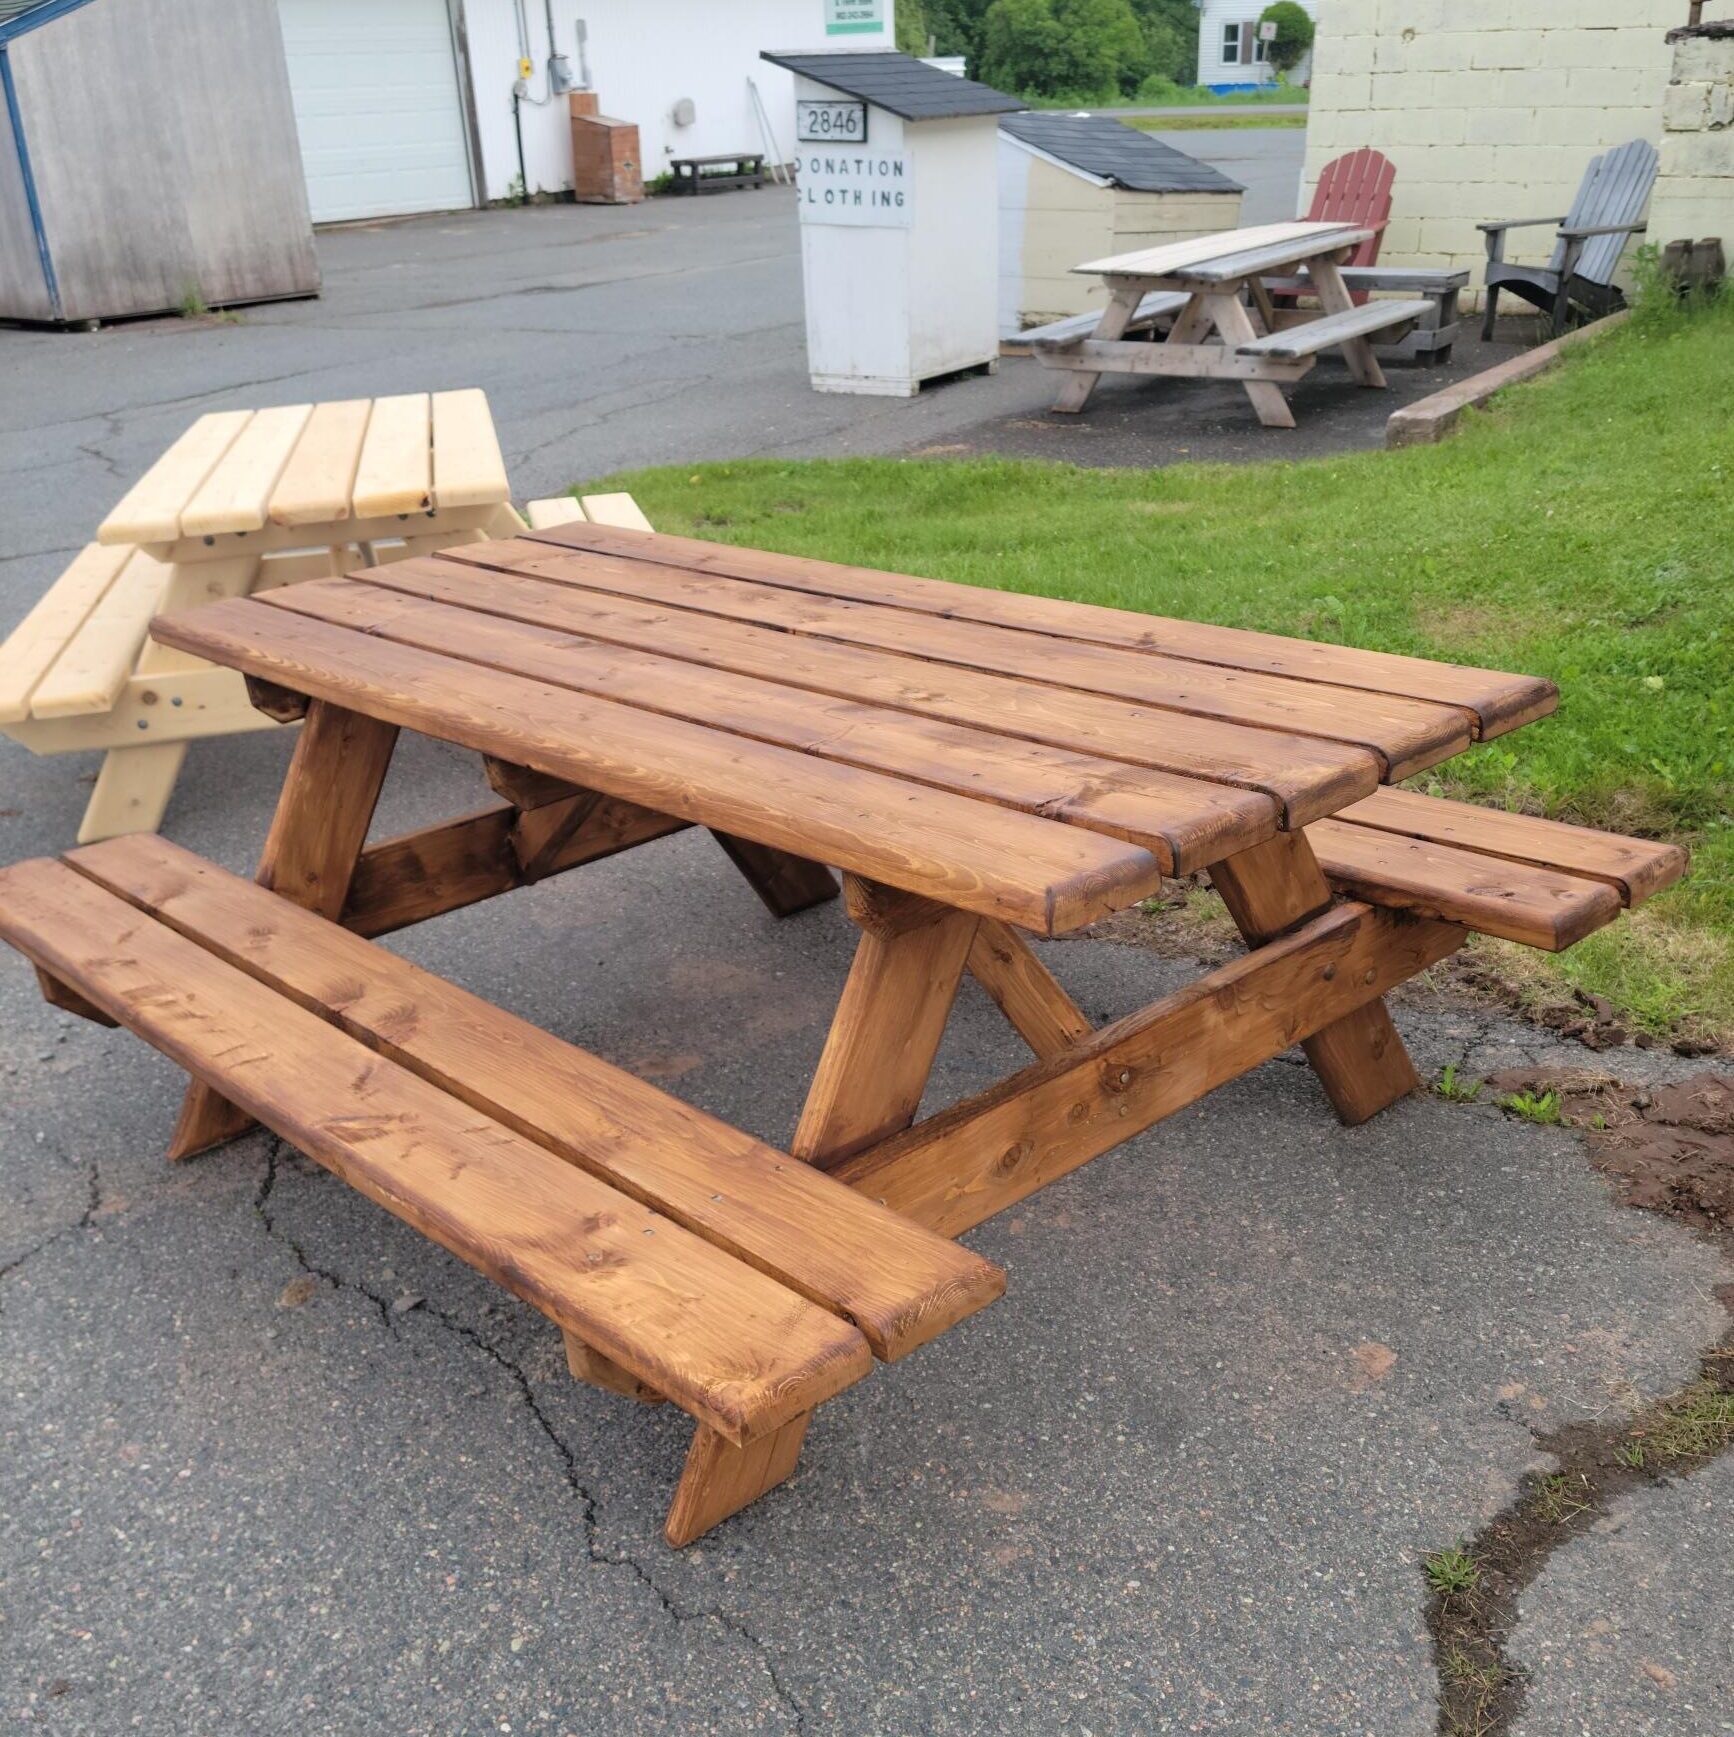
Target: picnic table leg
x,y
1075,392
1334,298
310,854
1192,324
1235,325
720,1479
1360,1059
785,883
888,1024
134,785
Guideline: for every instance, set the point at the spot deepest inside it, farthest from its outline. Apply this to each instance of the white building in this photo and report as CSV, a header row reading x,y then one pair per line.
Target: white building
x,y
407,105
1230,54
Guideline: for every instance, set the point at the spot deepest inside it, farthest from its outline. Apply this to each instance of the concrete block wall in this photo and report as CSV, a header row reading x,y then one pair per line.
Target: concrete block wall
x,y
1695,184
1488,108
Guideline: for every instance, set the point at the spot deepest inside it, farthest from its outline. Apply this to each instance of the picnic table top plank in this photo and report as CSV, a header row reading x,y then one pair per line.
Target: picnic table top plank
x,y
150,511
1407,734
1500,701
237,494
468,469
1293,240
318,483
1309,776
1186,823
395,472
1040,874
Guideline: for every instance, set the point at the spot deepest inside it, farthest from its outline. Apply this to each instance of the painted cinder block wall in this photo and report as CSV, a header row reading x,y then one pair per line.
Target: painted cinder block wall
x,y
1488,108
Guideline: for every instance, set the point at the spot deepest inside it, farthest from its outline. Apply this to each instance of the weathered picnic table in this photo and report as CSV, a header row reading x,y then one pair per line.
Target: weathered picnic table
x,y
981,766
1199,283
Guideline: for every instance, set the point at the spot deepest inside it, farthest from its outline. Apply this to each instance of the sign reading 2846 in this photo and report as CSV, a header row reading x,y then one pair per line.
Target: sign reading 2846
x,y
830,123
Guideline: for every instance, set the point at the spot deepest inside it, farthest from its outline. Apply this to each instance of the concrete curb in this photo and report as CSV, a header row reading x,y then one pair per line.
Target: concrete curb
x,y
1428,420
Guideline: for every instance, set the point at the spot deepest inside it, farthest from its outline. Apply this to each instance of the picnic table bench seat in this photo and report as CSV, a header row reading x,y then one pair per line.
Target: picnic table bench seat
x,y
1288,343
1435,332
1538,882
681,1258
1064,334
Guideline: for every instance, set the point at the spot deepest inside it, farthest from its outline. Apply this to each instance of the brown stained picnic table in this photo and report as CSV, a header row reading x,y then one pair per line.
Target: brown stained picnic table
x,y
977,763
1213,273
980,765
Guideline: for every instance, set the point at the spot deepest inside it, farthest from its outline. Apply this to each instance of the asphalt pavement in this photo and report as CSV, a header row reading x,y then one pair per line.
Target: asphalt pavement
x,y
271,1463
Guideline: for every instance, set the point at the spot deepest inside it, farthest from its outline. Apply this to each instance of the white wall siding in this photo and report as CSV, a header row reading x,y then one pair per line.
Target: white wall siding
x,y
1214,16
643,57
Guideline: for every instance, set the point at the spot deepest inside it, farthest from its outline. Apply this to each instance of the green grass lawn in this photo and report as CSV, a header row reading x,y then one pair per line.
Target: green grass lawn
x,y
1582,529
1210,123
1185,96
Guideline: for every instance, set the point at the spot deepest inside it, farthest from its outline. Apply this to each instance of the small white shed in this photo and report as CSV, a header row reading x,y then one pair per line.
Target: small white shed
x,y
895,184
1079,186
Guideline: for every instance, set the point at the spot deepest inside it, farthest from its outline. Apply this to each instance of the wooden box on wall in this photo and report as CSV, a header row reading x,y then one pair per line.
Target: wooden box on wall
x,y
606,166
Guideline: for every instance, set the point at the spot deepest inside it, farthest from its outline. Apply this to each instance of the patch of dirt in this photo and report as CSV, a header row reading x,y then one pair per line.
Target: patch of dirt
x,y
1669,1149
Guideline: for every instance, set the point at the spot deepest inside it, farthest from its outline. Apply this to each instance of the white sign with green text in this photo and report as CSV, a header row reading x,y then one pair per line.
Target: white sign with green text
x,y
854,17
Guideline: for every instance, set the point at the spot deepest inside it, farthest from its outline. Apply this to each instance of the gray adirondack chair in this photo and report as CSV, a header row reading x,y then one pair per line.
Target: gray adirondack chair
x,y
1608,211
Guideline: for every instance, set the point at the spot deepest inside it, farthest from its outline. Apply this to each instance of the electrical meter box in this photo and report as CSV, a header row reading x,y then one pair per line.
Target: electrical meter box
x,y
897,182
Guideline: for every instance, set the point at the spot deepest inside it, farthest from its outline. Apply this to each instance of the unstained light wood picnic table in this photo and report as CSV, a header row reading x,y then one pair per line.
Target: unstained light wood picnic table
x,y
241,501
1200,283
983,767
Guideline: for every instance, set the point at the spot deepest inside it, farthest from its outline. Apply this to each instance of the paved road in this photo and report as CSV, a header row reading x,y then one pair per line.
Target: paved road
x,y
1178,1481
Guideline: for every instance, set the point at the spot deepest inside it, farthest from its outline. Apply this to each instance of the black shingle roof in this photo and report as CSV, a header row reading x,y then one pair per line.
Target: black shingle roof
x,y
1121,154
898,82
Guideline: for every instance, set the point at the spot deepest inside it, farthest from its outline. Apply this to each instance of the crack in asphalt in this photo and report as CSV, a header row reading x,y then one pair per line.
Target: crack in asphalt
x,y
86,1220
671,1606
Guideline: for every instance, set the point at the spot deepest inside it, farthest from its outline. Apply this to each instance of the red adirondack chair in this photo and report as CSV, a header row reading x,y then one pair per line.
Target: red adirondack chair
x,y
1354,189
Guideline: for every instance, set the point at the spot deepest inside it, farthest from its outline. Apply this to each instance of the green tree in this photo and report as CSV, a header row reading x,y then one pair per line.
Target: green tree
x,y
1294,34
1171,33
913,29
1091,50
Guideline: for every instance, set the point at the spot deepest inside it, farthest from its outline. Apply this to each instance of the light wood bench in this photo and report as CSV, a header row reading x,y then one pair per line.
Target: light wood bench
x,y
1310,337
680,1258
1538,882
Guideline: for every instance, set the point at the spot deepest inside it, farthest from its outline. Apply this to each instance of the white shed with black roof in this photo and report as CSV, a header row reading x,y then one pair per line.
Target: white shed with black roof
x,y
1083,186
896,170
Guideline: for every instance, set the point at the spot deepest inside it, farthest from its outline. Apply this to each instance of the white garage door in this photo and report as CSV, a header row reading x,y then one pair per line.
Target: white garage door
x,y
376,103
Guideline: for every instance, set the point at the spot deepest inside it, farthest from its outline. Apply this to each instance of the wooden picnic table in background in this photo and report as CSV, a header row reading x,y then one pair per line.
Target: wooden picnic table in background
x,y
1200,283
243,500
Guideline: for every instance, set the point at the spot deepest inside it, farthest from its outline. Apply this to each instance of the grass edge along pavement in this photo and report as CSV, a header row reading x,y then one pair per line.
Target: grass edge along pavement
x,y
1577,528
1211,123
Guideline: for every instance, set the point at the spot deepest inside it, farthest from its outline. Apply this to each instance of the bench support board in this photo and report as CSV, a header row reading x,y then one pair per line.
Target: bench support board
x,y
595,1370
720,1479
963,1165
